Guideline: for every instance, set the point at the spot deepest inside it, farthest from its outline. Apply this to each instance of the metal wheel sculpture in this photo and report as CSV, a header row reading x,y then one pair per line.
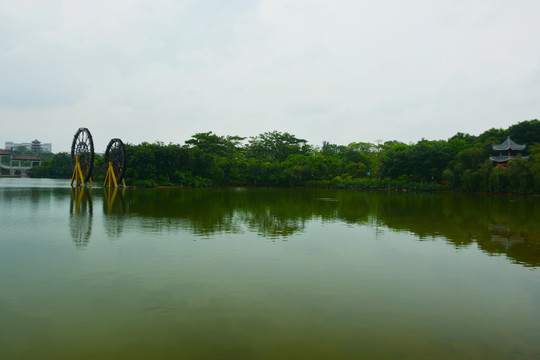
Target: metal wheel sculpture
x,y
116,154
83,147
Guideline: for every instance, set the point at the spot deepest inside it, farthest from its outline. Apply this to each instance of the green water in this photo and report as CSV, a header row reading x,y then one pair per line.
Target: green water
x,y
235,273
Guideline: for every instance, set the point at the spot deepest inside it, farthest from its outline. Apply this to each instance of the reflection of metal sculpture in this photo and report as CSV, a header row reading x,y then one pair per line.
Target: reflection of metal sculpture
x,y
81,210
113,204
82,157
115,162
114,209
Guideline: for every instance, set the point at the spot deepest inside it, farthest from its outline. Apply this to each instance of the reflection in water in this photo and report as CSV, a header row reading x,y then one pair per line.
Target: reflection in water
x,y
501,234
464,219
335,290
114,209
272,213
35,195
498,225
81,211
280,213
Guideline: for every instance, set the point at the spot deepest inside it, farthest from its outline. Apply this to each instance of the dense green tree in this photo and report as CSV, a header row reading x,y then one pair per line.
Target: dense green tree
x,y
210,143
99,171
356,170
461,172
498,180
457,144
19,150
216,157
424,161
534,164
493,136
296,170
331,149
395,161
472,158
325,167
276,146
57,167
520,177
525,132
142,162
470,139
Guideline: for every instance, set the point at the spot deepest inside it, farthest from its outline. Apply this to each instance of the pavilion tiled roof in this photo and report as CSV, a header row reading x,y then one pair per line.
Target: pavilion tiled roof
x,y
506,158
508,144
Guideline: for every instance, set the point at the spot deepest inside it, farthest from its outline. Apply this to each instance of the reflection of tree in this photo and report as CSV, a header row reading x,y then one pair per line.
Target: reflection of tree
x,y
114,209
279,213
81,212
270,225
271,213
498,224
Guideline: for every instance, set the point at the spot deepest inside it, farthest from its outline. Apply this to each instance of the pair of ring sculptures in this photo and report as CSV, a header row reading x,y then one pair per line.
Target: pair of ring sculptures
x,y
82,160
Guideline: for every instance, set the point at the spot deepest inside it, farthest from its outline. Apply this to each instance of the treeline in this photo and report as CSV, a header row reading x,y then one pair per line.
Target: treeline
x,y
281,159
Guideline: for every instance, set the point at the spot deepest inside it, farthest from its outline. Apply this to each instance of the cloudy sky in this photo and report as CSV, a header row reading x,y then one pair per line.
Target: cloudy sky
x,y
334,70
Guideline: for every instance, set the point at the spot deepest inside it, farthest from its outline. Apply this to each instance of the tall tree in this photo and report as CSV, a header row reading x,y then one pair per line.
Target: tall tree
x,y
276,146
525,132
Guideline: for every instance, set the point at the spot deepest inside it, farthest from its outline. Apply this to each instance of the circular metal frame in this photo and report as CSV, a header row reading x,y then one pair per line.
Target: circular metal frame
x,y
116,153
83,146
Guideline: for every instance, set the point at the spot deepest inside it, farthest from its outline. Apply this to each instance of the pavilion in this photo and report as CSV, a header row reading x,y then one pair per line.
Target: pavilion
x,y
507,150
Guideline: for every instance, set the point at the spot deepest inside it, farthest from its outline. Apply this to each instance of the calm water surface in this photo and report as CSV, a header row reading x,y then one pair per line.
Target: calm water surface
x,y
266,274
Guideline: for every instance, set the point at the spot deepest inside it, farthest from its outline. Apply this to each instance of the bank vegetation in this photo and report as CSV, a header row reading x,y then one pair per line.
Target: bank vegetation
x,y
282,159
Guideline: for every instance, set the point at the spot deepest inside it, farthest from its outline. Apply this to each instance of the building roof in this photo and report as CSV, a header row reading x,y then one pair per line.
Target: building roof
x,y
26,157
506,158
507,145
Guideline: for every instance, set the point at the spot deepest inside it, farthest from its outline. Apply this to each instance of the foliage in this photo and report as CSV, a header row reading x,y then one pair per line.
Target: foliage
x,y
276,146
282,159
56,167
422,162
525,132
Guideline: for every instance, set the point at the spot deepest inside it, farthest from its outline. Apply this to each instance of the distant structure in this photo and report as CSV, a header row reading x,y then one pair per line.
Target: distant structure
x,y
35,145
507,150
17,165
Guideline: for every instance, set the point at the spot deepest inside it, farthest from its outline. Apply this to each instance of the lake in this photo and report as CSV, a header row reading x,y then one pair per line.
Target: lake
x,y
266,273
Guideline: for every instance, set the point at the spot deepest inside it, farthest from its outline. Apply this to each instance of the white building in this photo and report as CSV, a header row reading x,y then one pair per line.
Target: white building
x,y
35,145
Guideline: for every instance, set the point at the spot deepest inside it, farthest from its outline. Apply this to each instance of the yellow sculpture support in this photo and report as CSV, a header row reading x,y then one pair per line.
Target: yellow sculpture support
x,y
110,178
78,175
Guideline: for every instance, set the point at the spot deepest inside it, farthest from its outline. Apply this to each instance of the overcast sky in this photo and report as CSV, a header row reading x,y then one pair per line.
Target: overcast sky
x,y
334,70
